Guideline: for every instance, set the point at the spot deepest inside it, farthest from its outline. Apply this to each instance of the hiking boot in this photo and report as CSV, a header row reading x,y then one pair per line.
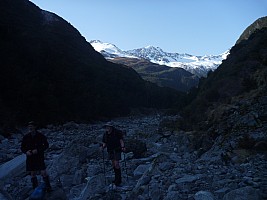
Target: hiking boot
x,y
34,182
47,184
117,181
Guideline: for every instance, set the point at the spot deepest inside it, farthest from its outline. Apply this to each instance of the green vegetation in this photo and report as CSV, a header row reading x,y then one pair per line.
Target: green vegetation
x,y
242,72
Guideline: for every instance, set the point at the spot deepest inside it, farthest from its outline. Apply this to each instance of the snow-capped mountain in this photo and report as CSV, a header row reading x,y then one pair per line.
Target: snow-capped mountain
x,y
199,65
108,50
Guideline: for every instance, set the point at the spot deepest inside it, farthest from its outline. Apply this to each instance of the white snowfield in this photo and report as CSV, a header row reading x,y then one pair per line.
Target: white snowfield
x,y
198,65
109,49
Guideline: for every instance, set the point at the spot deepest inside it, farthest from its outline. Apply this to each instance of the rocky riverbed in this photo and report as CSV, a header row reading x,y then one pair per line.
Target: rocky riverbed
x,y
160,163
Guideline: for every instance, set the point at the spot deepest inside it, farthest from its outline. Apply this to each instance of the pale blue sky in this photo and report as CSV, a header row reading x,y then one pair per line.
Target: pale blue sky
x,y
196,27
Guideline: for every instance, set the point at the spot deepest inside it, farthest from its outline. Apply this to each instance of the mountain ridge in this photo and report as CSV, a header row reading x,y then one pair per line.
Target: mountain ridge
x,y
257,25
198,65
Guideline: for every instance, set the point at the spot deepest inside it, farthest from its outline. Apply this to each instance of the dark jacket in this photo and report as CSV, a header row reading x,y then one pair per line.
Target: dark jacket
x,y
30,142
112,140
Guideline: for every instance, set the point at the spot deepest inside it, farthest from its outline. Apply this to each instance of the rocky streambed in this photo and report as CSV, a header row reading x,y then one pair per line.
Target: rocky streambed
x,y
160,163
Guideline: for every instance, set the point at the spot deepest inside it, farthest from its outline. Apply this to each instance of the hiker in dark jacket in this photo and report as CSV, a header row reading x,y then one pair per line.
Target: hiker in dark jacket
x,y
33,145
113,140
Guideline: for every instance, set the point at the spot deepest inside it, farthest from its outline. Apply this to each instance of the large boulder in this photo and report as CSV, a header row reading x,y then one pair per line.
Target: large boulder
x,y
245,193
204,195
137,146
13,167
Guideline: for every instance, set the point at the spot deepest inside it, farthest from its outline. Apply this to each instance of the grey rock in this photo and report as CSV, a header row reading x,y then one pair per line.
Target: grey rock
x,y
75,191
221,192
58,194
188,178
13,167
67,180
172,187
172,195
137,146
204,195
261,146
165,166
141,169
143,181
94,185
5,142
245,193
77,179
155,192
55,147
179,174
64,164
93,170
128,156
3,197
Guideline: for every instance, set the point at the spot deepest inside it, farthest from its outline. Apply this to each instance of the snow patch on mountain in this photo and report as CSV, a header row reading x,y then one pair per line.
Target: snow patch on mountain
x,y
109,50
199,65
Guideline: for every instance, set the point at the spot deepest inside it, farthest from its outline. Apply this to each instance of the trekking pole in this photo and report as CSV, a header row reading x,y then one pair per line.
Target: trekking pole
x,y
125,166
103,153
112,186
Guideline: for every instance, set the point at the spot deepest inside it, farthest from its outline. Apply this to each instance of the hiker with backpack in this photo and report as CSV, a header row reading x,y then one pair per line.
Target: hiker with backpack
x,y
113,141
34,143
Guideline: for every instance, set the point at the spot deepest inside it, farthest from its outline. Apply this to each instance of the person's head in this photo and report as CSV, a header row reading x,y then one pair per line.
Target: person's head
x,y
32,126
109,127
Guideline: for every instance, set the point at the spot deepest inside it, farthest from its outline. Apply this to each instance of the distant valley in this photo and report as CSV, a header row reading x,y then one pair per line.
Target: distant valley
x,y
178,71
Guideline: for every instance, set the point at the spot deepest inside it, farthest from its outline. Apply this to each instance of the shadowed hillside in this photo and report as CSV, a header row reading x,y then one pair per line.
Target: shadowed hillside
x,y
50,73
241,77
258,24
173,77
